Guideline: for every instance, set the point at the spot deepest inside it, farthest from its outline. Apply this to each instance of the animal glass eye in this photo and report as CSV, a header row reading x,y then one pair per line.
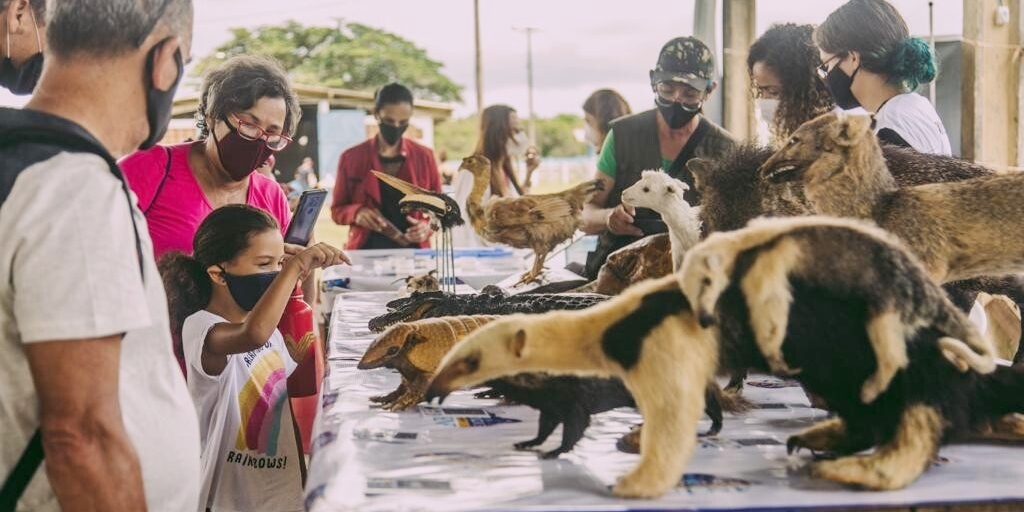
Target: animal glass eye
x,y
794,141
392,351
647,189
670,190
706,281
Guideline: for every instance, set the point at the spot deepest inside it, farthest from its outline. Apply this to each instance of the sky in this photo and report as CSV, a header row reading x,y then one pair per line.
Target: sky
x,y
579,45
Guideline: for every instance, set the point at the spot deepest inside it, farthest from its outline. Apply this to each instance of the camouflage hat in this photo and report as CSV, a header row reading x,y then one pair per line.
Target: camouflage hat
x,y
687,60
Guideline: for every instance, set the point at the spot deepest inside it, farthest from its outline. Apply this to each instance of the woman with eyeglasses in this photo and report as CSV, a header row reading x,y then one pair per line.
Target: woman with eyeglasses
x,y
869,60
247,110
786,91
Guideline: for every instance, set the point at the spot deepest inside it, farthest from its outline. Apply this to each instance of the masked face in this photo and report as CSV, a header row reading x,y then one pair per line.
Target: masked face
x,y
159,103
247,289
391,133
240,156
766,109
838,84
676,114
22,81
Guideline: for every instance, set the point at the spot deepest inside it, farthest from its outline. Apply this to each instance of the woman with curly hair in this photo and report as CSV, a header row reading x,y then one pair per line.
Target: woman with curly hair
x,y
781,64
869,60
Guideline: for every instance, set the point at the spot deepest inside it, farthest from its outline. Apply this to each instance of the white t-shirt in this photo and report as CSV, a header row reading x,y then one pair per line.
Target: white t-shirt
x,y
914,119
70,270
250,457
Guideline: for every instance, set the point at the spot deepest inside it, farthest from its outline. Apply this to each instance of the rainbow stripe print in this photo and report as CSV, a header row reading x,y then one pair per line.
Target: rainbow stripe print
x,y
261,403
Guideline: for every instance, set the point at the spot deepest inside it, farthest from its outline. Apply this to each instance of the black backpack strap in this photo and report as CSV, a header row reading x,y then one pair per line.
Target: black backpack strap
x,y
22,473
75,142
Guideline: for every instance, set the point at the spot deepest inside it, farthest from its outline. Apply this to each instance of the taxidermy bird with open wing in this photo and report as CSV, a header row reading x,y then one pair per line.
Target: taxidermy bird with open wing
x,y
444,214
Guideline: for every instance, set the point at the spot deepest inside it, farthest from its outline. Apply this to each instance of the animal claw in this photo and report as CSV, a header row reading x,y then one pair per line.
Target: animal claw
x,y
553,454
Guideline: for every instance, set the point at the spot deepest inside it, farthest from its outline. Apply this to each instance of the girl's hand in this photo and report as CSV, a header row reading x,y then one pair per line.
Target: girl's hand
x,y
318,256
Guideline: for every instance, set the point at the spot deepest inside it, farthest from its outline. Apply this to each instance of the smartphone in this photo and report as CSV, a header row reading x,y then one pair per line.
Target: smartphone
x,y
300,230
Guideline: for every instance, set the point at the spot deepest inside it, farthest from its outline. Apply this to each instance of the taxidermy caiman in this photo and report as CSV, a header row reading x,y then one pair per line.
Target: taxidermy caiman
x,y
490,301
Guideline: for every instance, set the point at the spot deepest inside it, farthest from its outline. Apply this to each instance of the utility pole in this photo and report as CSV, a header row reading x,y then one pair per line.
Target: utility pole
x,y
479,62
532,132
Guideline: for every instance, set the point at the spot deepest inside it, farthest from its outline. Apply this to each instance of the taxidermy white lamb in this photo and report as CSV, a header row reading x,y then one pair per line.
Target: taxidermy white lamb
x,y
664,194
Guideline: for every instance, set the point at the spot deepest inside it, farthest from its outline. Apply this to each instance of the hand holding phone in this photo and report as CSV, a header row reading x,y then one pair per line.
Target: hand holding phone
x,y
300,230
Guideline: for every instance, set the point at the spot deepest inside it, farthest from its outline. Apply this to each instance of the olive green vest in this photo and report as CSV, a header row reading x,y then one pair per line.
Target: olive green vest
x,y
637,150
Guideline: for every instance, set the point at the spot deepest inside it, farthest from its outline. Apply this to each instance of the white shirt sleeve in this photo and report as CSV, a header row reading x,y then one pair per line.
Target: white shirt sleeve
x,y
75,267
193,338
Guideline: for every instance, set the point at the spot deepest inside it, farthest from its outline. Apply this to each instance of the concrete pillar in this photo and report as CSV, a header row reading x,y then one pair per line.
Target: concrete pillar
x,y
992,84
738,22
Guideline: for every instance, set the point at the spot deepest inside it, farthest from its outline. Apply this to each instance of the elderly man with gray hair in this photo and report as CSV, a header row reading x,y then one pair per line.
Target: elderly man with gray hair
x,y
88,385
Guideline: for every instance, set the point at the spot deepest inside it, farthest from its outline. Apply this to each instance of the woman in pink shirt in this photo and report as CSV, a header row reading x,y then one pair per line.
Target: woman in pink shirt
x,y
247,110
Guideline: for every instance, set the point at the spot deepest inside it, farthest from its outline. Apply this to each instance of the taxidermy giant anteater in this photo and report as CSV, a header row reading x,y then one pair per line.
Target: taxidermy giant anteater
x,y
650,337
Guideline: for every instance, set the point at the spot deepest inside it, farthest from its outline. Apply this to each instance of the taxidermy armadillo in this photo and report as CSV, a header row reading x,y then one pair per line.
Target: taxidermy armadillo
x,y
415,349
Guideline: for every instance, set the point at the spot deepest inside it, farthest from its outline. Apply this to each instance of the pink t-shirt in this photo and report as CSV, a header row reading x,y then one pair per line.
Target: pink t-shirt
x,y
175,208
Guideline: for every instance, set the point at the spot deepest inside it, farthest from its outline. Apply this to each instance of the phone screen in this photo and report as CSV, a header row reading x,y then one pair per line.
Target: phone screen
x,y
300,230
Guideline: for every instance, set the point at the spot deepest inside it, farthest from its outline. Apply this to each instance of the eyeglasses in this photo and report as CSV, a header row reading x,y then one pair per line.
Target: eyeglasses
x,y
249,131
823,69
669,91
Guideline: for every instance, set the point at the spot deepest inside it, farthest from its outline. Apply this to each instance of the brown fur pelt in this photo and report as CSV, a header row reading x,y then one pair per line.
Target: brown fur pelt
x,y
647,258
733,192
959,230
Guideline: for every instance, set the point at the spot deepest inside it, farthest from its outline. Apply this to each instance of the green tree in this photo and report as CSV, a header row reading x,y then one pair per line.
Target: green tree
x,y
556,137
352,56
457,136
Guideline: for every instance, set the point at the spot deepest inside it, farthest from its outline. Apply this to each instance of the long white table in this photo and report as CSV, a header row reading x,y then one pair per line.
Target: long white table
x,y
368,459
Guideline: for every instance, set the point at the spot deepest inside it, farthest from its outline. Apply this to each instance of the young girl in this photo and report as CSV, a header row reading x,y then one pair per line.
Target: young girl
x,y
233,292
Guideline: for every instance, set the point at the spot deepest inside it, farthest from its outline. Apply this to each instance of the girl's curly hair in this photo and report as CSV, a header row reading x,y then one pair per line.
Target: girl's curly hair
x,y
788,50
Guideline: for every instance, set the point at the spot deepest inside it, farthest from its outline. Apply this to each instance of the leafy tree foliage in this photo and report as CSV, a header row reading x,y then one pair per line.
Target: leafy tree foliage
x,y
352,56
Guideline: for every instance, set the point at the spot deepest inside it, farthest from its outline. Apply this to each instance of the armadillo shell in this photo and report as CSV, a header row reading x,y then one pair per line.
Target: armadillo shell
x,y
436,336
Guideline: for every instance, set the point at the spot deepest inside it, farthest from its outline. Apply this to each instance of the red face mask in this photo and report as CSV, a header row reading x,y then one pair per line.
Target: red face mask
x,y
240,157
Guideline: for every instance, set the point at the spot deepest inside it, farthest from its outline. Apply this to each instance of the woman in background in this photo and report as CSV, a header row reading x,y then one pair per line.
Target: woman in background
x,y
787,92
501,139
869,60
599,109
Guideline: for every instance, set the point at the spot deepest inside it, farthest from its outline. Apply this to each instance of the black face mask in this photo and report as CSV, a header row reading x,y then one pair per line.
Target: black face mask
x,y
21,81
159,103
392,133
838,84
248,289
676,114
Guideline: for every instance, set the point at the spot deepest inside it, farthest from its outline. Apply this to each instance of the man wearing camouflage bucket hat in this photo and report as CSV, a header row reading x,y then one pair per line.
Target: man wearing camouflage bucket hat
x,y
665,137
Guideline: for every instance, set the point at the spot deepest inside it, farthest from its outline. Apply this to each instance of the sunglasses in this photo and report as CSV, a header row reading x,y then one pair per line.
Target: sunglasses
x,y
823,69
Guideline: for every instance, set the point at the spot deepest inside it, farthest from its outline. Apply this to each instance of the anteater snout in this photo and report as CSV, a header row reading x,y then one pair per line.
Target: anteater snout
x,y
705,319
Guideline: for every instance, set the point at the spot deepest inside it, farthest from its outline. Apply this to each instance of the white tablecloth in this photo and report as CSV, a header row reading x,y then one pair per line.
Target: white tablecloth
x,y
368,459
